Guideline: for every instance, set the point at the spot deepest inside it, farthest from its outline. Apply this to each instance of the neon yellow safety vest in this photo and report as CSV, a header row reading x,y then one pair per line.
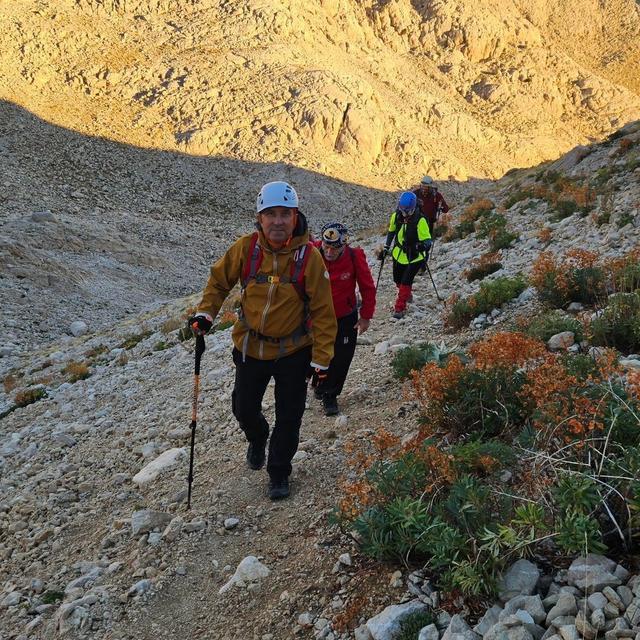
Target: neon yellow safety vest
x,y
399,254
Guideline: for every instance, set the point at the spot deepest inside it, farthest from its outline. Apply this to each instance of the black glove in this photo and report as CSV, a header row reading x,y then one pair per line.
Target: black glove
x,y
200,323
316,375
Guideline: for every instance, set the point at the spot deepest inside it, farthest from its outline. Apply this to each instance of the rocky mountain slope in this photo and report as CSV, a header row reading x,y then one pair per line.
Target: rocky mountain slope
x,y
374,92
92,549
134,136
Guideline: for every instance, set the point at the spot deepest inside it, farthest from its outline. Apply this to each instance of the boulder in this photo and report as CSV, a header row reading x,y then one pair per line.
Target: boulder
x,y
250,569
487,621
430,632
520,579
592,573
78,328
147,520
501,632
561,341
530,604
458,629
387,624
566,606
162,463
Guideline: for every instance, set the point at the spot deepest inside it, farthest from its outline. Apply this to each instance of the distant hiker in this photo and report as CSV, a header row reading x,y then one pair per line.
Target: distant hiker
x,y
285,330
411,238
430,203
347,267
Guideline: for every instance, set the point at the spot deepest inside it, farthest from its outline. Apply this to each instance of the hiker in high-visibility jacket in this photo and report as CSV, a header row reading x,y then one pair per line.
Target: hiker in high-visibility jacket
x,y
409,233
348,268
285,330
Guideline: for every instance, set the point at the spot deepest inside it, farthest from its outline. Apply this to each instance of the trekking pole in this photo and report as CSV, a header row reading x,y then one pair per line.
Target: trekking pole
x,y
384,255
433,248
433,283
200,346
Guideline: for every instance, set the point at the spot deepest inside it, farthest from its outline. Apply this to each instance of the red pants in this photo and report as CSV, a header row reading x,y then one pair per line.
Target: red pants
x,y
404,294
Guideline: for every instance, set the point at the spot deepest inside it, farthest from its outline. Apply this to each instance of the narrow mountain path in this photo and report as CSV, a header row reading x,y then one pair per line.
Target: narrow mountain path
x,y
293,537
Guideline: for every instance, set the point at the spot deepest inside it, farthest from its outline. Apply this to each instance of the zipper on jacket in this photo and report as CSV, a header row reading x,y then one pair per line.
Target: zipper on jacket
x,y
265,311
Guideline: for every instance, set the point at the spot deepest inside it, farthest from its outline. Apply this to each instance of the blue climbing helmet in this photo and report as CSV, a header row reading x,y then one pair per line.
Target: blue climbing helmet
x,y
334,234
407,203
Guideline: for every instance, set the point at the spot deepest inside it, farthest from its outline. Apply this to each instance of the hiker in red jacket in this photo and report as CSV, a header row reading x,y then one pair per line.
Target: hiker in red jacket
x,y
430,202
347,267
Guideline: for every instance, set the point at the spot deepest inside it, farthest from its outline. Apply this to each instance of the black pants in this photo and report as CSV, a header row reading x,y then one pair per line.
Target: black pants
x,y
343,350
405,273
252,378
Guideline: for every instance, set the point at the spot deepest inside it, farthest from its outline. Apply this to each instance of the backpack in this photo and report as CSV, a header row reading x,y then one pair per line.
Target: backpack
x,y
296,275
409,244
295,278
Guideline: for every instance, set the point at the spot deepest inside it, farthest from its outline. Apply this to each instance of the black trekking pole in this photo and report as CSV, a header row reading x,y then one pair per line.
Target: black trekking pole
x,y
200,347
433,283
384,255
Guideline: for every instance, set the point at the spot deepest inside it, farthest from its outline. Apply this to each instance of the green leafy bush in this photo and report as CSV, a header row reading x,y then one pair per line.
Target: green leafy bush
x,y
132,341
411,626
482,271
440,498
624,219
564,209
494,227
574,277
471,215
488,403
413,358
502,239
517,196
492,295
618,325
552,322
602,176
52,596
29,396
627,279
472,456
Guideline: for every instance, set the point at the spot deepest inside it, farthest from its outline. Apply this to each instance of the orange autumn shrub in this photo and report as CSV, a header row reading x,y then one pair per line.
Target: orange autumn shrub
x,y
544,235
569,407
483,266
506,349
574,277
623,273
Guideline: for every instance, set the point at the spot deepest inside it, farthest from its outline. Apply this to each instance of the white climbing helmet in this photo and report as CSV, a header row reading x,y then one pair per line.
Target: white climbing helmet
x,y
427,181
276,194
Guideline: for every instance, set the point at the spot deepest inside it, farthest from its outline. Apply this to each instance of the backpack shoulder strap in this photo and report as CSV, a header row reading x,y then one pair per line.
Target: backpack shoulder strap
x,y
298,267
253,260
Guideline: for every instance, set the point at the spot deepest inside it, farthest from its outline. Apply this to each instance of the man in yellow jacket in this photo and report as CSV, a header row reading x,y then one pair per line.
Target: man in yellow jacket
x,y
285,330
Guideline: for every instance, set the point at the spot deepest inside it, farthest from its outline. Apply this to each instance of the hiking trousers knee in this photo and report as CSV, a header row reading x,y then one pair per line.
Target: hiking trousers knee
x,y
252,378
343,350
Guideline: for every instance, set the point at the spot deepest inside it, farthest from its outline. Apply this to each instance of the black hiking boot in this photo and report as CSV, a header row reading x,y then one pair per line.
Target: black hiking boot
x,y
330,405
278,488
256,455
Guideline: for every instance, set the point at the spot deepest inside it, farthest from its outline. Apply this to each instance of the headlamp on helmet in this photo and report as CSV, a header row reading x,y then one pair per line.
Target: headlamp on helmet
x,y
334,234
